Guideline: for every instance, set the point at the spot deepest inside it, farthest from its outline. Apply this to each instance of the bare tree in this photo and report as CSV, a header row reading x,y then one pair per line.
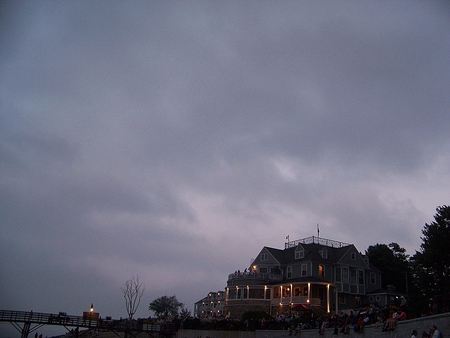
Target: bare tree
x,y
132,291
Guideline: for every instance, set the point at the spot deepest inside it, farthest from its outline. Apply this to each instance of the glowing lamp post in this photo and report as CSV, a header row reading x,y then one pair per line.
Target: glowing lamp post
x,y
91,315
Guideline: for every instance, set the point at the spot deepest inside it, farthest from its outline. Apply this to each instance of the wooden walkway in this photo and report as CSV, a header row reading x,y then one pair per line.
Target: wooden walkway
x,y
28,322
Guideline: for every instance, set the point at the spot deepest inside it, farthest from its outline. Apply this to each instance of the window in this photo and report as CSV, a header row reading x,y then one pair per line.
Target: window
x,y
275,271
276,292
304,269
353,256
263,270
324,254
353,276
345,275
341,298
264,257
289,272
338,276
321,271
361,277
299,254
373,278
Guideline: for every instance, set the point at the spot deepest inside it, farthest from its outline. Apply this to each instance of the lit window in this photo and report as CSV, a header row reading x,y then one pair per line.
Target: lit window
x,y
321,271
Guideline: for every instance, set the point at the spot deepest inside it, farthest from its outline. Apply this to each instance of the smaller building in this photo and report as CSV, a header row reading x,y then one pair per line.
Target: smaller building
x,y
210,306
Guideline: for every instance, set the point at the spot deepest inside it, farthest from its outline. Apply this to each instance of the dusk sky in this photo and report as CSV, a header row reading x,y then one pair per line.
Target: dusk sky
x,y
175,139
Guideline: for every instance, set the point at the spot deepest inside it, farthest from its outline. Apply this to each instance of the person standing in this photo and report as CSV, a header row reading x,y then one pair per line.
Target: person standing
x,y
414,334
436,332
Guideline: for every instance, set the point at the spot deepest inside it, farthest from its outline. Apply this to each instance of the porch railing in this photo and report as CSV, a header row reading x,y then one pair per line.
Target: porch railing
x,y
255,275
296,300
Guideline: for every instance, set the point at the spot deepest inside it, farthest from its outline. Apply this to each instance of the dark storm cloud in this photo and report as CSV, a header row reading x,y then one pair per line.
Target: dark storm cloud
x,y
174,140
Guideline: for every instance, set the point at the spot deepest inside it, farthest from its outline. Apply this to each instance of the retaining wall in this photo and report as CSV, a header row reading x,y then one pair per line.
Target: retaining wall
x,y
402,330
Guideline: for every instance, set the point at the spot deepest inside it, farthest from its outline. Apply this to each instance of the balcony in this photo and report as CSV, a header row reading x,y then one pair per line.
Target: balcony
x,y
269,277
317,240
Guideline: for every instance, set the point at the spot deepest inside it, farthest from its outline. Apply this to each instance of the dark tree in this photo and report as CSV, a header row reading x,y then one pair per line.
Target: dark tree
x,y
393,262
166,306
132,291
432,261
184,313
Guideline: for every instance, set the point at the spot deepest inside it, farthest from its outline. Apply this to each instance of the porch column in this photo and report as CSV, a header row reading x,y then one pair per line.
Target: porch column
x,y
291,296
309,293
328,298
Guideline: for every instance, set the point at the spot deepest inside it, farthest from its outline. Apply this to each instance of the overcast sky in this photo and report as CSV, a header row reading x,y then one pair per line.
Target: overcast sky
x,y
174,140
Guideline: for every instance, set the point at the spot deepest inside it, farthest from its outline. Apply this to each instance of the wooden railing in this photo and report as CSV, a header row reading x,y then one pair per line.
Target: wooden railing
x,y
296,300
78,321
255,275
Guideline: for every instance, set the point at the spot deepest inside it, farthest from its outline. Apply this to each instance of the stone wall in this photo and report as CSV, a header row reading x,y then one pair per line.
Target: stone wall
x,y
403,330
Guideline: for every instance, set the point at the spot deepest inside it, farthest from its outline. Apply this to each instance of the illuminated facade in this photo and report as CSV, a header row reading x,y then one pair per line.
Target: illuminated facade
x,y
308,274
211,306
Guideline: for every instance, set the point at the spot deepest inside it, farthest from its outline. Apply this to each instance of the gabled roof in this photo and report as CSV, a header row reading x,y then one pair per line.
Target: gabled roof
x,y
337,252
276,253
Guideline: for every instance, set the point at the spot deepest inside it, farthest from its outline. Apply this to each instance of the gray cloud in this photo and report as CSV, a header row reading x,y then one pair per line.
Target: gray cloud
x,y
174,140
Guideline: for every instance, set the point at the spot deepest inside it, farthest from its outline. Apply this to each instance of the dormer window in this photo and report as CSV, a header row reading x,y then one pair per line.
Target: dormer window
x,y
324,254
300,254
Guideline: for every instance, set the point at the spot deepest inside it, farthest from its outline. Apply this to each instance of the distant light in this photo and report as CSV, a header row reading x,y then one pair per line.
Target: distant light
x,y
92,308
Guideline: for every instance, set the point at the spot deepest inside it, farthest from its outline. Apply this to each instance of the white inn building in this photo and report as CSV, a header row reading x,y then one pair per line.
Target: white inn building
x,y
308,274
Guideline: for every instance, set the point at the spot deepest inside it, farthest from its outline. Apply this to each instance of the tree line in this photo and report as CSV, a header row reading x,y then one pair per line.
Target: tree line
x,y
423,276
